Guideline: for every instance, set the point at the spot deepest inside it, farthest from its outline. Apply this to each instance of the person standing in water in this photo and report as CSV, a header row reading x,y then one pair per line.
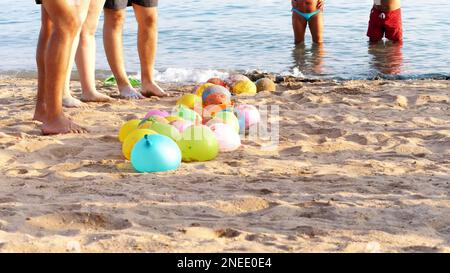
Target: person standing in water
x,y
307,13
146,14
61,22
385,21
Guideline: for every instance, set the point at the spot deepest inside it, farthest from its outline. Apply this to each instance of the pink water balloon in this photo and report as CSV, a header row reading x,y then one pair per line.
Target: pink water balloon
x,y
248,115
158,113
229,140
182,125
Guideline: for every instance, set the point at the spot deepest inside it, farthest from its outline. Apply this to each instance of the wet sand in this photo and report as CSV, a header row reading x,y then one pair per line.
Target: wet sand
x,y
362,166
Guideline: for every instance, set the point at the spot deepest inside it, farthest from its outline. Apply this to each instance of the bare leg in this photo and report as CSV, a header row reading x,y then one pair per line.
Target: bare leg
x,y
85,56
112,40
299,54
316,27
68,100
318,53
147,19
44,36
299,24
67,19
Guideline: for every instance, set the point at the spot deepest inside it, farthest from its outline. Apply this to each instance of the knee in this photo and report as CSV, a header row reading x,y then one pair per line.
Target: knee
x,y
45,33
114,19
71,23
88,31
68,26
149,20
84,39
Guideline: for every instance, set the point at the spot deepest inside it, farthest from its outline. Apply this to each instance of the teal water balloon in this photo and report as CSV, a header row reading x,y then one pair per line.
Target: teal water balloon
x,y
155,153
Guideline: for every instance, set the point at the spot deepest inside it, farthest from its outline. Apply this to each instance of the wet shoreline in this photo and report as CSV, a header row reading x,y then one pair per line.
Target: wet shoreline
x,y
253,75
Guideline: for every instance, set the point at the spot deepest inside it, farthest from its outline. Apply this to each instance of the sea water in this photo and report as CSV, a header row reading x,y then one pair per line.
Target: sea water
x,y
202,38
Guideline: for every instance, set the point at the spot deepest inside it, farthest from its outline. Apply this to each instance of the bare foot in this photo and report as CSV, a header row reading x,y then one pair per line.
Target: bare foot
x,y
152,89
40,113
71,102
128,92
94,96
61,125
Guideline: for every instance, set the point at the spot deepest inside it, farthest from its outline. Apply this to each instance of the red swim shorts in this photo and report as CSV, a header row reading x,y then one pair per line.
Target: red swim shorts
x,y
385,23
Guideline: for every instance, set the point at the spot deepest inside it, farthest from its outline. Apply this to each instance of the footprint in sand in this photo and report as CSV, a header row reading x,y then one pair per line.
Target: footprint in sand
x,y
309,231
130,117
291,151
108,139
317,210
5,200
271,241
64,152
7,212
7,145
426,99
362,140
106,166
328,132
105,106
349,91
22,130
242,206
264,191
233,164
411,149
259,238
80,221
16,172
227,233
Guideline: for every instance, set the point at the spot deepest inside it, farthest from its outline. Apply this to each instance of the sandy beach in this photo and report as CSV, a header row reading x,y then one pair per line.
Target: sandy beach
x,y
362,166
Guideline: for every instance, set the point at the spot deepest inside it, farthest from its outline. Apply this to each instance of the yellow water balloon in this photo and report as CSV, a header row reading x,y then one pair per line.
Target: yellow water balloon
x,y
191,101
244,87
127,128
132,139
171,119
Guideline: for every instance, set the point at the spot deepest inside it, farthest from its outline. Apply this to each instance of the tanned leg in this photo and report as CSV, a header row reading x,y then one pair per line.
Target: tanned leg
x,y
147,19
316,27
112,40
44,36
67,18
85,56
68,100
299,24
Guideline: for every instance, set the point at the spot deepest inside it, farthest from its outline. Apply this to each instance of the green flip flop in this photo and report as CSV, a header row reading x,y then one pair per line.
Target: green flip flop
x,y
111,81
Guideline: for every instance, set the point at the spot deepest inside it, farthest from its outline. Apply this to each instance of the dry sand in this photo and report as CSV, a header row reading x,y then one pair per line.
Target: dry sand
x,y
361,167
